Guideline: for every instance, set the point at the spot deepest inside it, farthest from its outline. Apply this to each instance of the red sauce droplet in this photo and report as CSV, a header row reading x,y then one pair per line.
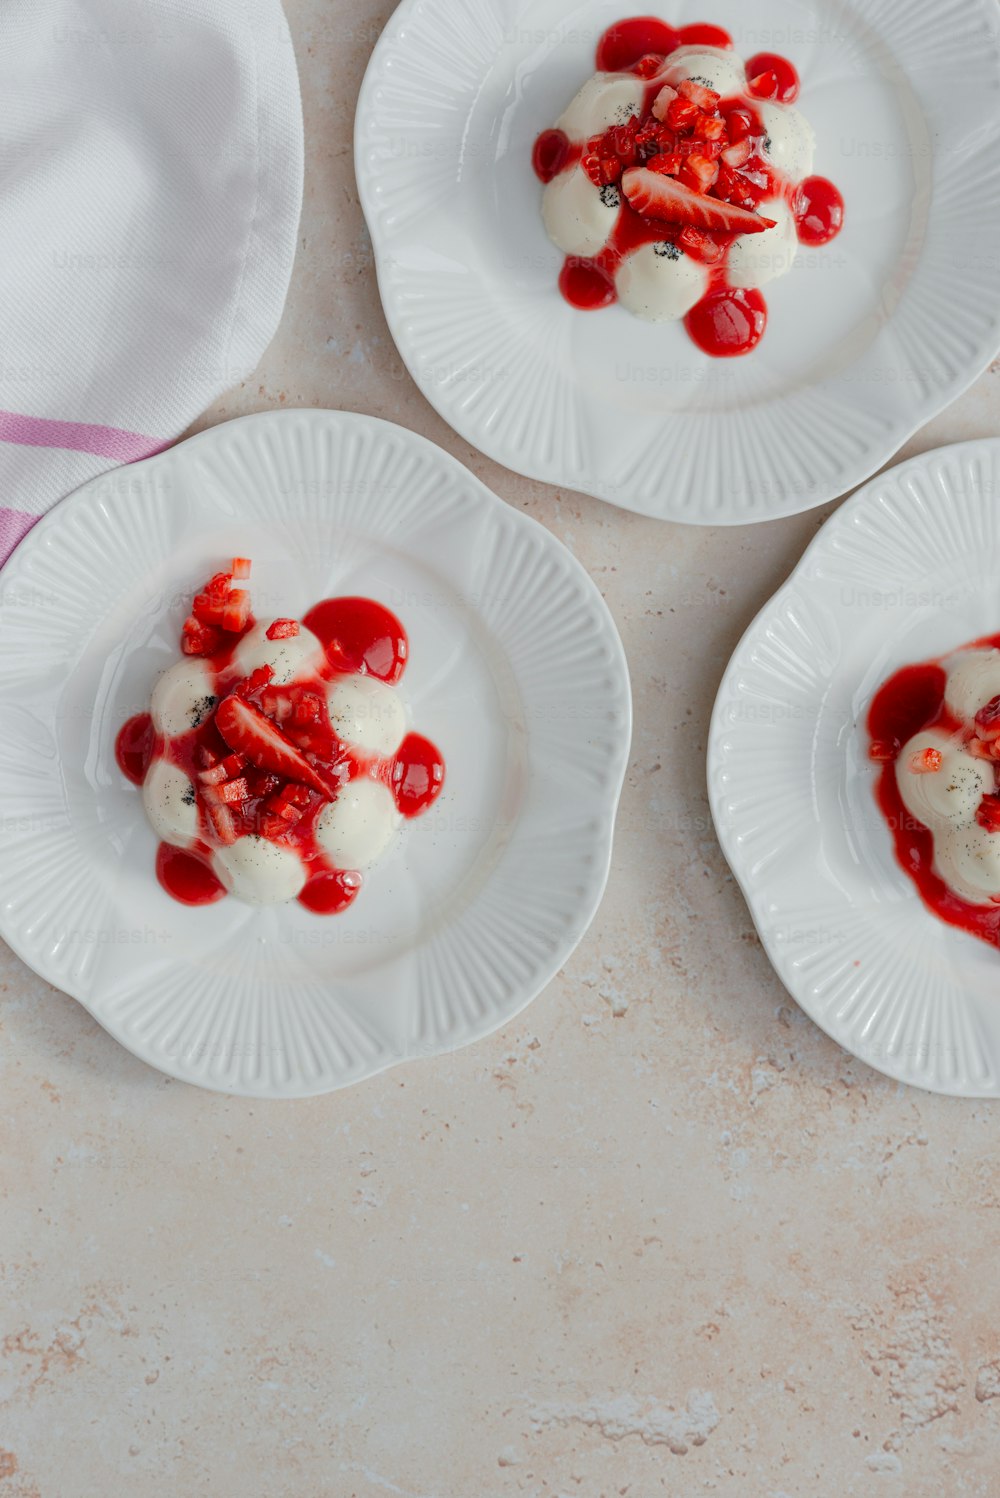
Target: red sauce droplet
x,y
778,79
624,43
417,775
819,211
586,285
134,747
186,877
729,322
703,35
552,153
360,635
330,892
910,701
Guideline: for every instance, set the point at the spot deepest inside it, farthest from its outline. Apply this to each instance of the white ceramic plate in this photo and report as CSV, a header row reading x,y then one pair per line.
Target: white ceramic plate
x,y
905,571
868,338
516,671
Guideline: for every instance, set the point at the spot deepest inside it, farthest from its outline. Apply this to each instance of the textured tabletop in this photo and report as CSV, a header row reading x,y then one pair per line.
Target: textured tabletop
x,y
660,1236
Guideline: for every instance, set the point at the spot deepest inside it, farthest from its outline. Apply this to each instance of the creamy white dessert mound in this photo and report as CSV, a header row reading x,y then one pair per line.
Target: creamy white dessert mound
x,y
260,872
353,831
756,259
580,217
169,799
298,656
660,283
367,714
356,829
942,783
718,68
948,797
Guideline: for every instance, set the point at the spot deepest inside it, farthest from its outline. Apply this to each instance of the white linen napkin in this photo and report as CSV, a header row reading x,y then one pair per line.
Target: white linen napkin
x,y
150,190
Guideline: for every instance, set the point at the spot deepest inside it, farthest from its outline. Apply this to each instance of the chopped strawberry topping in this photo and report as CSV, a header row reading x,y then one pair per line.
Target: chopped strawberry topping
x,y
283,629
883,751
198,638
663,101
241,568
705,98
988,815
262,742
925,762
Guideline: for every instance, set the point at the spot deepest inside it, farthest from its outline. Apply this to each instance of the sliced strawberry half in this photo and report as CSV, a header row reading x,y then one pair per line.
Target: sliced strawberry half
x,y
262,742
663,198
988,815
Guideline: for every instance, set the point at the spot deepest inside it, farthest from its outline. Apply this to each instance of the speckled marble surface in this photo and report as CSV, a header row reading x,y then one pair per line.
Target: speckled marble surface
x,y
659,1237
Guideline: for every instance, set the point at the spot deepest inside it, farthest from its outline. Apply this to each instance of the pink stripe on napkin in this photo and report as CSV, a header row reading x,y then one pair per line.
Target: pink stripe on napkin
x,y
14,526
80,437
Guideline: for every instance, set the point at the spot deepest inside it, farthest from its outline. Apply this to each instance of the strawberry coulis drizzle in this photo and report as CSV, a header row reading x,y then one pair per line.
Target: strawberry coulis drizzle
x,y
909,702
358,636
727,321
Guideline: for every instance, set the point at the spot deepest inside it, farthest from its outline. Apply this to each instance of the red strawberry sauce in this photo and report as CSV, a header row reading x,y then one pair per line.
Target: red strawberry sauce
x,y
728,321
909,702
358,635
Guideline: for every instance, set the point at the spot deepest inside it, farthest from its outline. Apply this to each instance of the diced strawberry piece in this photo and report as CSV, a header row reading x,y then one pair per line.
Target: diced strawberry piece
x,y
648,66
699,172
741,125
737,155
198,638
926,762
257,681
214,775
664,198
237,611
307,709
221,816
682,115
988,815
981,749
704,98
988,720
219,585
710,127
262,784
764,86
206,756
883,751
700,246
271,826
668,162
283,629
262,742
663,101
234,792
734,187
241,568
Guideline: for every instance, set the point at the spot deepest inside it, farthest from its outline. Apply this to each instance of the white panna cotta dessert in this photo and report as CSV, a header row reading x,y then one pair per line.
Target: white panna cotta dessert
x,y
943,778
354,829
664,280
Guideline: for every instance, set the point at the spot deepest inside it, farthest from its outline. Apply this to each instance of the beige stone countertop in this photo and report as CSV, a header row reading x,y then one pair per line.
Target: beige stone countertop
x,y
659,1237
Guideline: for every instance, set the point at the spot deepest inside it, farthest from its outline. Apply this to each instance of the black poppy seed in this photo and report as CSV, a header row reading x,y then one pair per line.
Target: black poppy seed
x,y
189,797
610,196
201,710
667,250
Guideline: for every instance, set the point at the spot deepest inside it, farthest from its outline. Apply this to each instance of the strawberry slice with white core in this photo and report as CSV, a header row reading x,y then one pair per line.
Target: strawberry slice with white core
x,y
248,732
659,197
663,101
